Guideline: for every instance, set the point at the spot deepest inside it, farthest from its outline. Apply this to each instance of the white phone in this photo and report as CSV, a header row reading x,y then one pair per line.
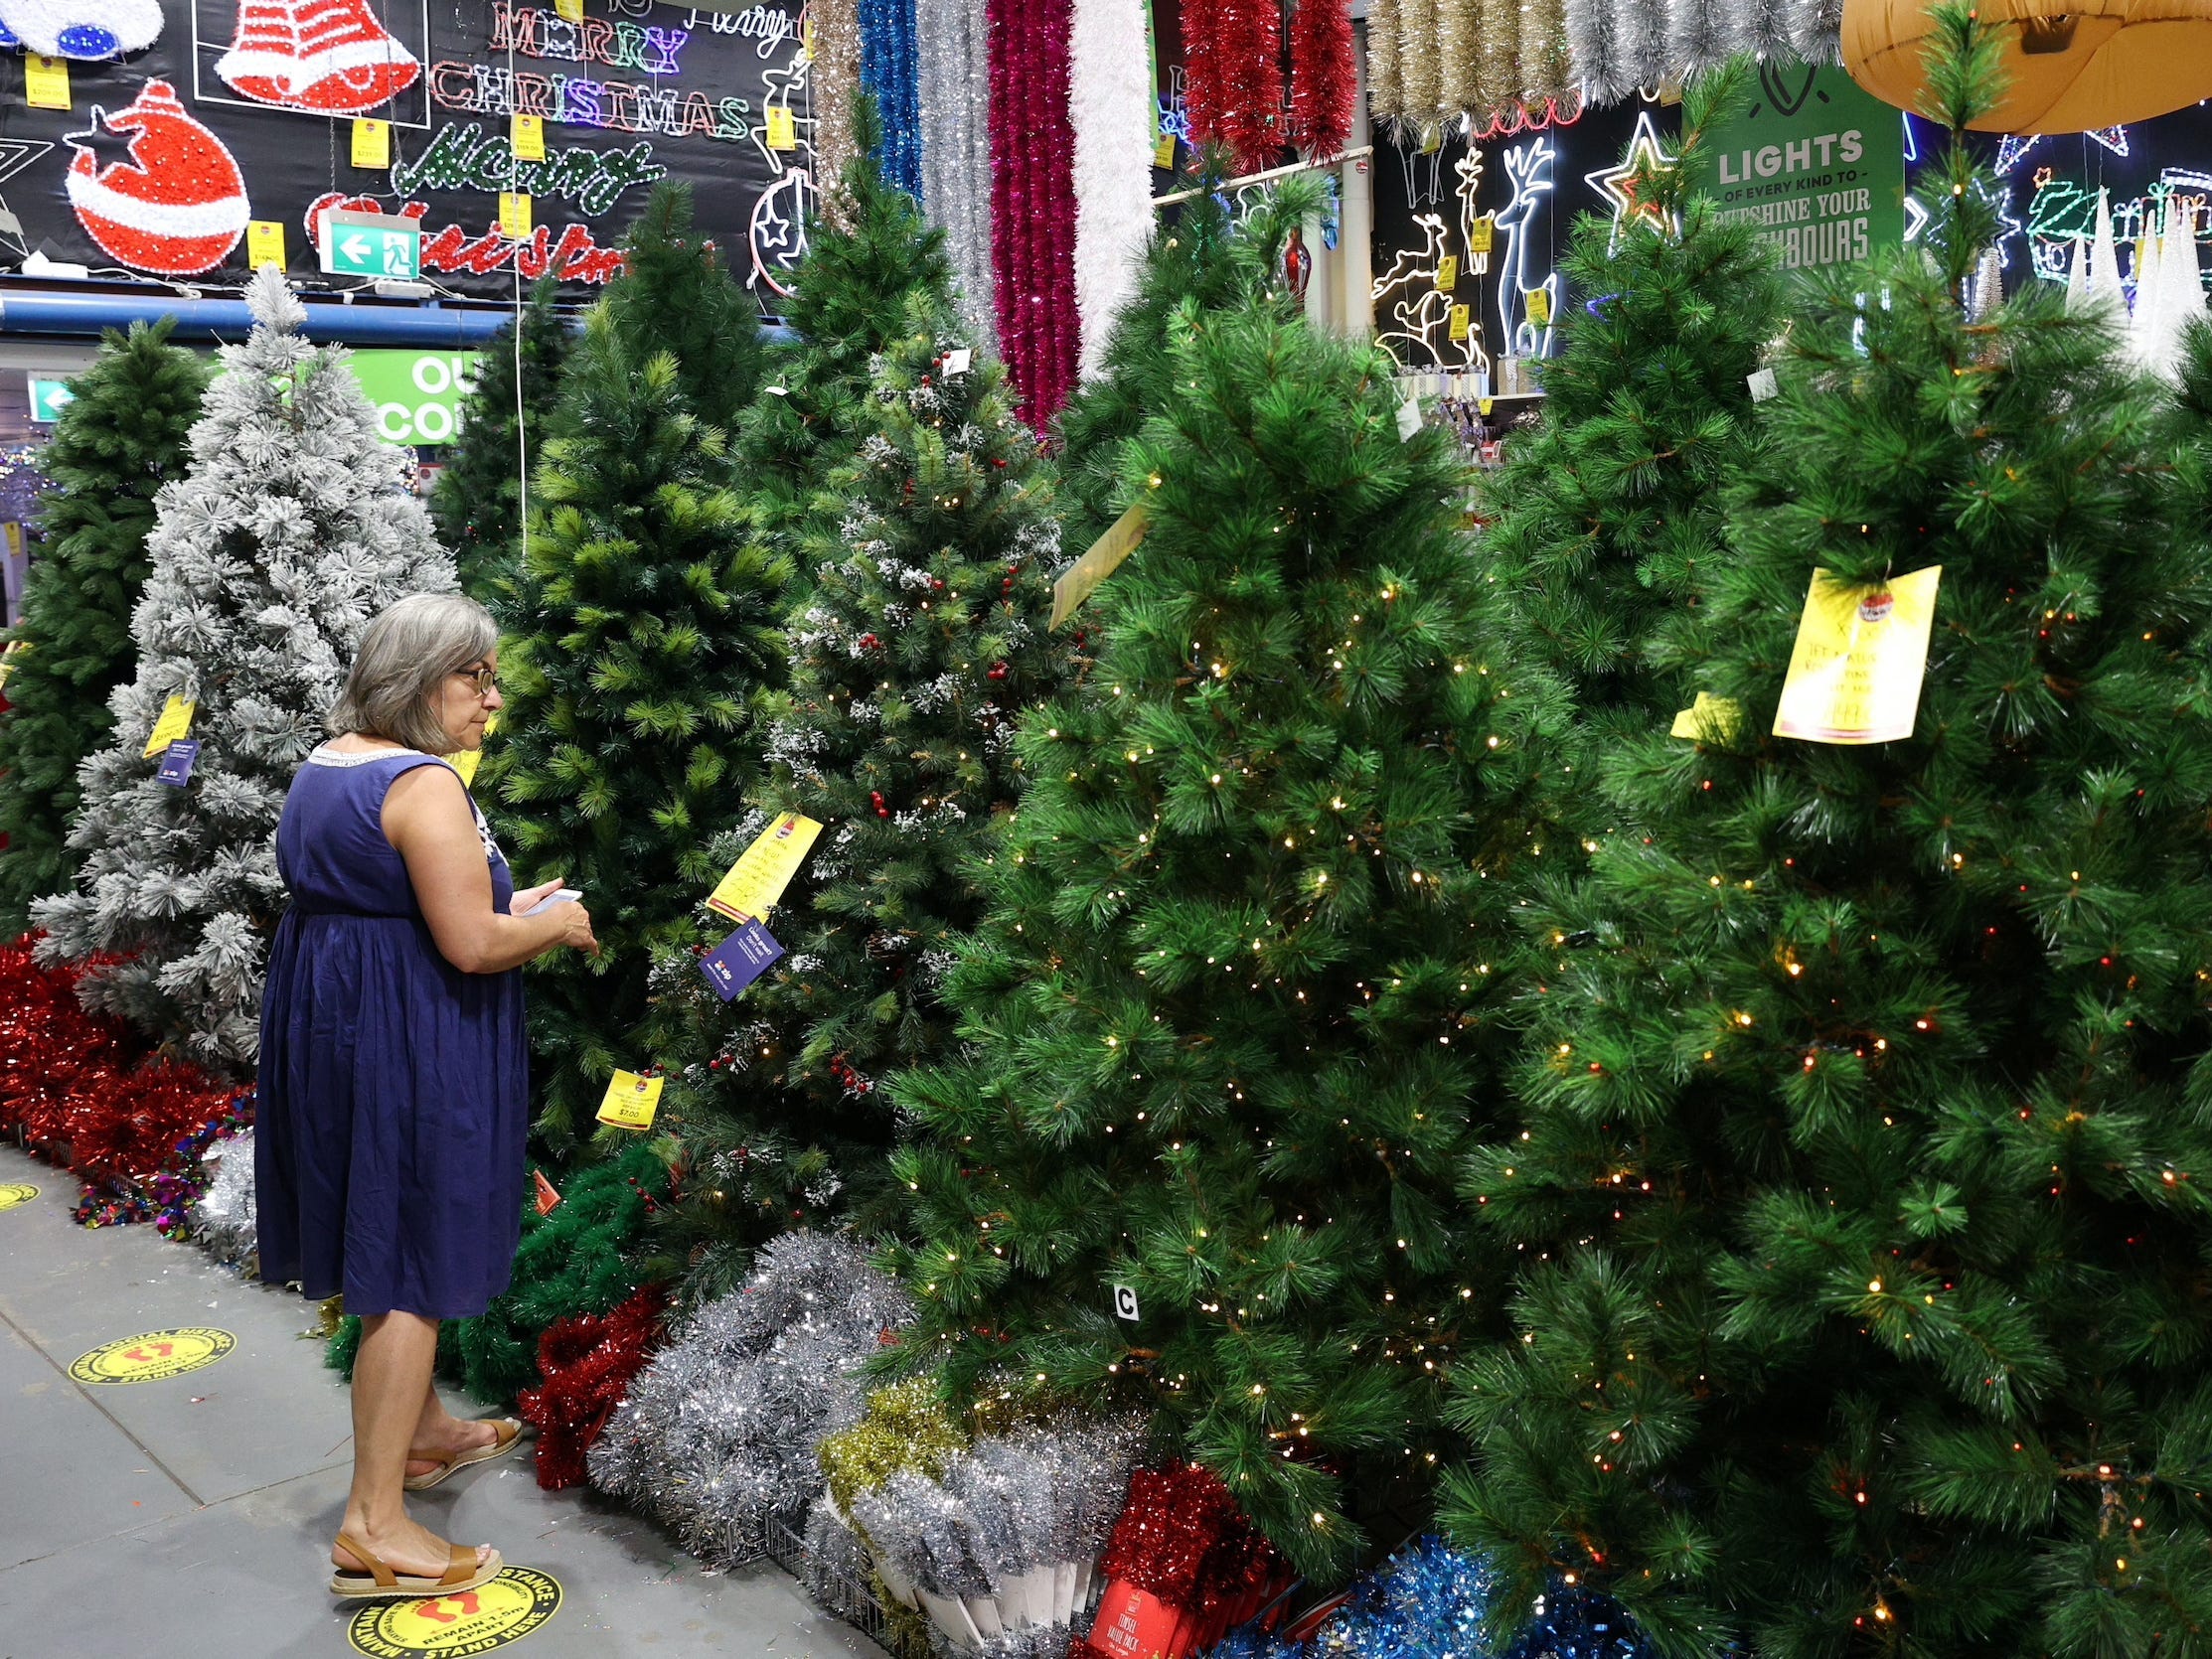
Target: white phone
x,y
566,895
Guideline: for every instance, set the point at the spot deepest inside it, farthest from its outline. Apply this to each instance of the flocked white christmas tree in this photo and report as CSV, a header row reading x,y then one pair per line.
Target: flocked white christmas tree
x,y
291,530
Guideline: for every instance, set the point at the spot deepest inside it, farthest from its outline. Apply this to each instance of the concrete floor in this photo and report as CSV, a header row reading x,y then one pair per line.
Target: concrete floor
x,y
193,1515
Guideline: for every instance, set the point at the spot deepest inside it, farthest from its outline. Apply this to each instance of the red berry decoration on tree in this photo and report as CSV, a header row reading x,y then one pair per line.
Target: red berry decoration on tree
x,y
876,799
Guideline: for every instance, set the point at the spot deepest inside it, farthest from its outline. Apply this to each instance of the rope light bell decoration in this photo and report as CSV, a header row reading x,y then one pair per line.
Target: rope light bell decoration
x,y
2069,65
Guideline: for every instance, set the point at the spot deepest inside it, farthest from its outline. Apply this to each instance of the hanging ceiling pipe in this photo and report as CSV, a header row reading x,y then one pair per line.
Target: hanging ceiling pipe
x,y
212,318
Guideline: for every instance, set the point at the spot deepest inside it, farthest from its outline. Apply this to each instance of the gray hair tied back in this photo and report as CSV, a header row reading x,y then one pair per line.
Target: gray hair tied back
x,y
404,657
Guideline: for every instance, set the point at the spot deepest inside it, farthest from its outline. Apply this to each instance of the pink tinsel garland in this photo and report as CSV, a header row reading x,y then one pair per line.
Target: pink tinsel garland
x,y
1033,201
1323,77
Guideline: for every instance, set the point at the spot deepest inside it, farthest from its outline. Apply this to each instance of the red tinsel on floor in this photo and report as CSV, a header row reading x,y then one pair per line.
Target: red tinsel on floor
x,y
1233,76
1183,1540
588,1361
1323,77
133,1125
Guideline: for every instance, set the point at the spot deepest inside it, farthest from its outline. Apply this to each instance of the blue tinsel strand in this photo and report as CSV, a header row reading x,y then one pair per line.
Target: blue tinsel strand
x,y
1577,1624
889,72
1425,1602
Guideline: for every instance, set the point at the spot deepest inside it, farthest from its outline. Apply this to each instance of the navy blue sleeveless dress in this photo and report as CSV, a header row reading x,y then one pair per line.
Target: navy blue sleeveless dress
x,y
389,1138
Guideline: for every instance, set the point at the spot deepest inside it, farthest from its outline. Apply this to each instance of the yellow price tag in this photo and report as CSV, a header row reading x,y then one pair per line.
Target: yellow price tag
x,y
1164,152
1461,318
466,760
1481,233
371,143
8,657
630,1100
781,134
1719,719
45,81
264,243
1484,406
573,10
514,215
1861,652
1539,308
764,870
526,133
1448,273
1080,579
175,722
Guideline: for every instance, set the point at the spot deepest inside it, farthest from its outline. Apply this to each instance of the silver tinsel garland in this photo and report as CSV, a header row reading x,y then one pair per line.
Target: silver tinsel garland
x,y
720,1429
952,51
222,1220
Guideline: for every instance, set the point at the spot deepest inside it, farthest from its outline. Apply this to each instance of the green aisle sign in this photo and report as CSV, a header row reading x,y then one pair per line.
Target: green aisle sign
x,y
370,244
417,394
1817,162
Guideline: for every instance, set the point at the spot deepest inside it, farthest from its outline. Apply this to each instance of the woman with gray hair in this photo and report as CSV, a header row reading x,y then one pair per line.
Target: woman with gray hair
x,y
388,1158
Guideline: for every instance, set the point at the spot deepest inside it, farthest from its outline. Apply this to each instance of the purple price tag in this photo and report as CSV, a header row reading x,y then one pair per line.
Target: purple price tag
x,y
175,761
739,960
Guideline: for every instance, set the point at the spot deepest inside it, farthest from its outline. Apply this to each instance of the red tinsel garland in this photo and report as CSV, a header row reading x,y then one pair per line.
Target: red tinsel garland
x,y
1033,201
1182,1538
588,1361
1233,76
1323,77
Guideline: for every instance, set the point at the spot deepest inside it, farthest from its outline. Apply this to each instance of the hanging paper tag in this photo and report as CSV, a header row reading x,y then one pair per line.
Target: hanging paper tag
x,y
1764,385
1709,716
514,215
176,762
957,361
1080,581
739,960
1462,319
45,81
1480,235
8,658
1861,650
1432,138
571,10
526,134
175,722
1409,418
1164,151
1125,1302
545,1195
264,243
781,134
371,142
631,1101
1539,308
1448,273
1484,406
765,869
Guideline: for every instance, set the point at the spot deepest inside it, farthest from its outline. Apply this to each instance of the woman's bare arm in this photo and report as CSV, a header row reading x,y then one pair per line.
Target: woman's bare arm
x,y
426,818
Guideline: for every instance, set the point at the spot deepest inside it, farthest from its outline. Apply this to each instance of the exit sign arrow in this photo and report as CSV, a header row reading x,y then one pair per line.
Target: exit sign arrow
x,y
355,243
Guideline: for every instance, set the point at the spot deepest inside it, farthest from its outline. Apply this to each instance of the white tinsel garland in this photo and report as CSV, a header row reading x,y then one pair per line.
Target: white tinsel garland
x,y
1704,33
952,51
222,1220
1109,103
1818,30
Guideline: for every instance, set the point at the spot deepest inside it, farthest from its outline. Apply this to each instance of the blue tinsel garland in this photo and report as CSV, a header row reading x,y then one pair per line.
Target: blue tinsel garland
x,y
888,71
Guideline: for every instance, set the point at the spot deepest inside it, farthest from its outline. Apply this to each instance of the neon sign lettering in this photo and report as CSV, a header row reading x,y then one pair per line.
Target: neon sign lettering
x,y
463,156
576,256
764,25
489,89
621,46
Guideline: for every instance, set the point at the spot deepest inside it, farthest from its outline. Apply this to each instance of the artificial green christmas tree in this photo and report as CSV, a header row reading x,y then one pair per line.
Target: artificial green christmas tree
x,y
923,638
675,295
1206,256
118,441
1229,1013
852,296
1608,516
640,633
477,500
1858,1176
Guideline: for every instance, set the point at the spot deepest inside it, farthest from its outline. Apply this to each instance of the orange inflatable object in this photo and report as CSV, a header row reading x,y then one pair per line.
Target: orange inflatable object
x,y
2070,65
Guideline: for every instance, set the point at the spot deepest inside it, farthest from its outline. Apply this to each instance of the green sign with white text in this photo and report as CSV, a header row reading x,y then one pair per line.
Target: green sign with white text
x,y
417,394
1814,161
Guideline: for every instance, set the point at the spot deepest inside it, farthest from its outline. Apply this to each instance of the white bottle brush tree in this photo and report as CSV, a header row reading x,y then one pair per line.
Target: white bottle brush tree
x,y
289,534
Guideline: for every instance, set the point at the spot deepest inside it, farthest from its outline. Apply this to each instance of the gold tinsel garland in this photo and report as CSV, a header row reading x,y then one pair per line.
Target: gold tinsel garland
x,y
1433,59
906,1427
1385,90
1419,82
836,77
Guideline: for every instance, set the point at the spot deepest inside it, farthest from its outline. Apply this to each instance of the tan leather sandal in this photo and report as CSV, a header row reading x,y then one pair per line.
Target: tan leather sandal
x,y
506,1431
462,1572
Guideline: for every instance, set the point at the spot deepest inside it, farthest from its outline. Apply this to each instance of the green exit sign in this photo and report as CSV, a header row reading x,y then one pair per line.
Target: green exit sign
x,y
47,399
370,244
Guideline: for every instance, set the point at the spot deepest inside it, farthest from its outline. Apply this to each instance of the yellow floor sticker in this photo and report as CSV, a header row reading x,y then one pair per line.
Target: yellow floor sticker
x,y
20,1193
153,1355
475,1621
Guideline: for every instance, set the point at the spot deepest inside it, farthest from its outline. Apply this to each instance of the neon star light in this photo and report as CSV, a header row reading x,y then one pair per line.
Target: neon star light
x,y
1645,155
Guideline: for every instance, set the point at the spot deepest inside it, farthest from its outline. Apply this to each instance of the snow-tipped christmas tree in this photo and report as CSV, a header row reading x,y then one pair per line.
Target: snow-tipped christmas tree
x,y
1857,1178
640,633
923,638
291,530
852,296
1233,1009
477,502
118,441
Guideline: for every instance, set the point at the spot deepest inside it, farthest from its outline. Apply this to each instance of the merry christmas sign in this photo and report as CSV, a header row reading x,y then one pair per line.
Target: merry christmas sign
x,y
190,119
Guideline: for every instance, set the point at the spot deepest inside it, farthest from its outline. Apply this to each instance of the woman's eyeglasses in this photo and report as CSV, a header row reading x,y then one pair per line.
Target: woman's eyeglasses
x,y
487,680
